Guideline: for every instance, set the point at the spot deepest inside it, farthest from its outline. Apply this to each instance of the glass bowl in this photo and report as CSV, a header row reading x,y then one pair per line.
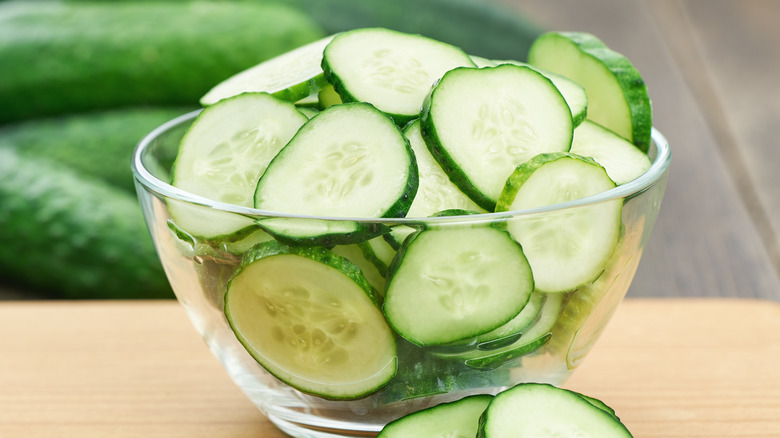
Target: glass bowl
x,y
199,271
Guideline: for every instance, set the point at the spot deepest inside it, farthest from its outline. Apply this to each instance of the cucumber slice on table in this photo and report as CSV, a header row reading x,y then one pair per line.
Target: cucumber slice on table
x,y
480,124
350,161
545,411
222,156
459,418
311,319
622,160
570,247
391,70
291,76
574,93
446,285
617,94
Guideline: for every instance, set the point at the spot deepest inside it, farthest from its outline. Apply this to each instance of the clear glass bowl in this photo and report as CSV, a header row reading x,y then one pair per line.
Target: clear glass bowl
x,y
198,271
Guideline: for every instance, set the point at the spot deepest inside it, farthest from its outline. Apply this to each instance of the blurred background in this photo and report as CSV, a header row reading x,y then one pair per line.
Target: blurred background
x,y
81,82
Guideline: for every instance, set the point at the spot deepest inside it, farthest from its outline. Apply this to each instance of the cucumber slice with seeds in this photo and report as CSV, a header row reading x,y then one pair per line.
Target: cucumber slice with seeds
x,y
436,192
446,285
480,124
617,94
290,76
570,247
350,160
311,319
391,70
622,160
545,411
223,154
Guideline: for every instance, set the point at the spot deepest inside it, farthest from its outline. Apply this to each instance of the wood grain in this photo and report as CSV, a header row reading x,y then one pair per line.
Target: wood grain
x,y
707,241
670,367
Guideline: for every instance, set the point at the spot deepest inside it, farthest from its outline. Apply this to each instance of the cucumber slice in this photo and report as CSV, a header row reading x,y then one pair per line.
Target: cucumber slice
x,y
311,319
290,76
355,254
622,160
223,154
480,124
350,160
572,92
516,325
617,94
545,411
436,192
391,70
459,418
570,247
379,252
493,353
451,284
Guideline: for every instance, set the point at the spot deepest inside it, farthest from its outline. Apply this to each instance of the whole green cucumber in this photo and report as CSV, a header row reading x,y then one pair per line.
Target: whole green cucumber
x,y
68,57
69,236
98,144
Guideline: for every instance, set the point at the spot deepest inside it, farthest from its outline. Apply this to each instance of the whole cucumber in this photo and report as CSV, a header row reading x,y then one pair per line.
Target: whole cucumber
x,y
68,57
98,144
70,236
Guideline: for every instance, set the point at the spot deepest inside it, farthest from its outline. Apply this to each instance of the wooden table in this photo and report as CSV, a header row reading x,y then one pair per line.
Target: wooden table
x,y
670,367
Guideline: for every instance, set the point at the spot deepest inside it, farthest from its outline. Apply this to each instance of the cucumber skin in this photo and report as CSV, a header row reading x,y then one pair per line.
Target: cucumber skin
x,y
61,57
635,89
69,236
448,165
99,144
316,253
517,179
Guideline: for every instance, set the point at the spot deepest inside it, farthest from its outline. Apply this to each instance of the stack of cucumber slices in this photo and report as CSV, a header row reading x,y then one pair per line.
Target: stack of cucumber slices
x,y
378,124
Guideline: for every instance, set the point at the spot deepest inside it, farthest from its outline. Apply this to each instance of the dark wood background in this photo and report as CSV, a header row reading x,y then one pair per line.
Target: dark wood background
x,y
713,73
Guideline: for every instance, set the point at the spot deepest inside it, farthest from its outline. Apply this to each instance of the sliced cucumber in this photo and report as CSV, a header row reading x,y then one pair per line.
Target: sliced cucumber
x,y
451,284
622,160
545,411
290,76
379,252
617,94
436,192
480,124
355,254
222,156
348,161
493,353
391,70
459,418
516,325
574,93
311,319
570,247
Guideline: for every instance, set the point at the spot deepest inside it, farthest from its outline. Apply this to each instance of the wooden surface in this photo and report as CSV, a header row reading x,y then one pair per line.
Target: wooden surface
x,y
712,69
669,367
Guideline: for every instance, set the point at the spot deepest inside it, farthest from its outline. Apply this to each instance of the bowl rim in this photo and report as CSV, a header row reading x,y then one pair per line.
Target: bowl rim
x,y
163,189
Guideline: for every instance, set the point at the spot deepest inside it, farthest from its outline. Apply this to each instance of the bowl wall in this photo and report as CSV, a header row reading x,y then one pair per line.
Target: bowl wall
x,y
199,269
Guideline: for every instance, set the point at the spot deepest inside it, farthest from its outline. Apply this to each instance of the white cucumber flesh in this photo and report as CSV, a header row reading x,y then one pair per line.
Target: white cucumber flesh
x,y
567,247
622,160
223,154
545,411
447,285
290,76
391,70
482,123
310,318
348,161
